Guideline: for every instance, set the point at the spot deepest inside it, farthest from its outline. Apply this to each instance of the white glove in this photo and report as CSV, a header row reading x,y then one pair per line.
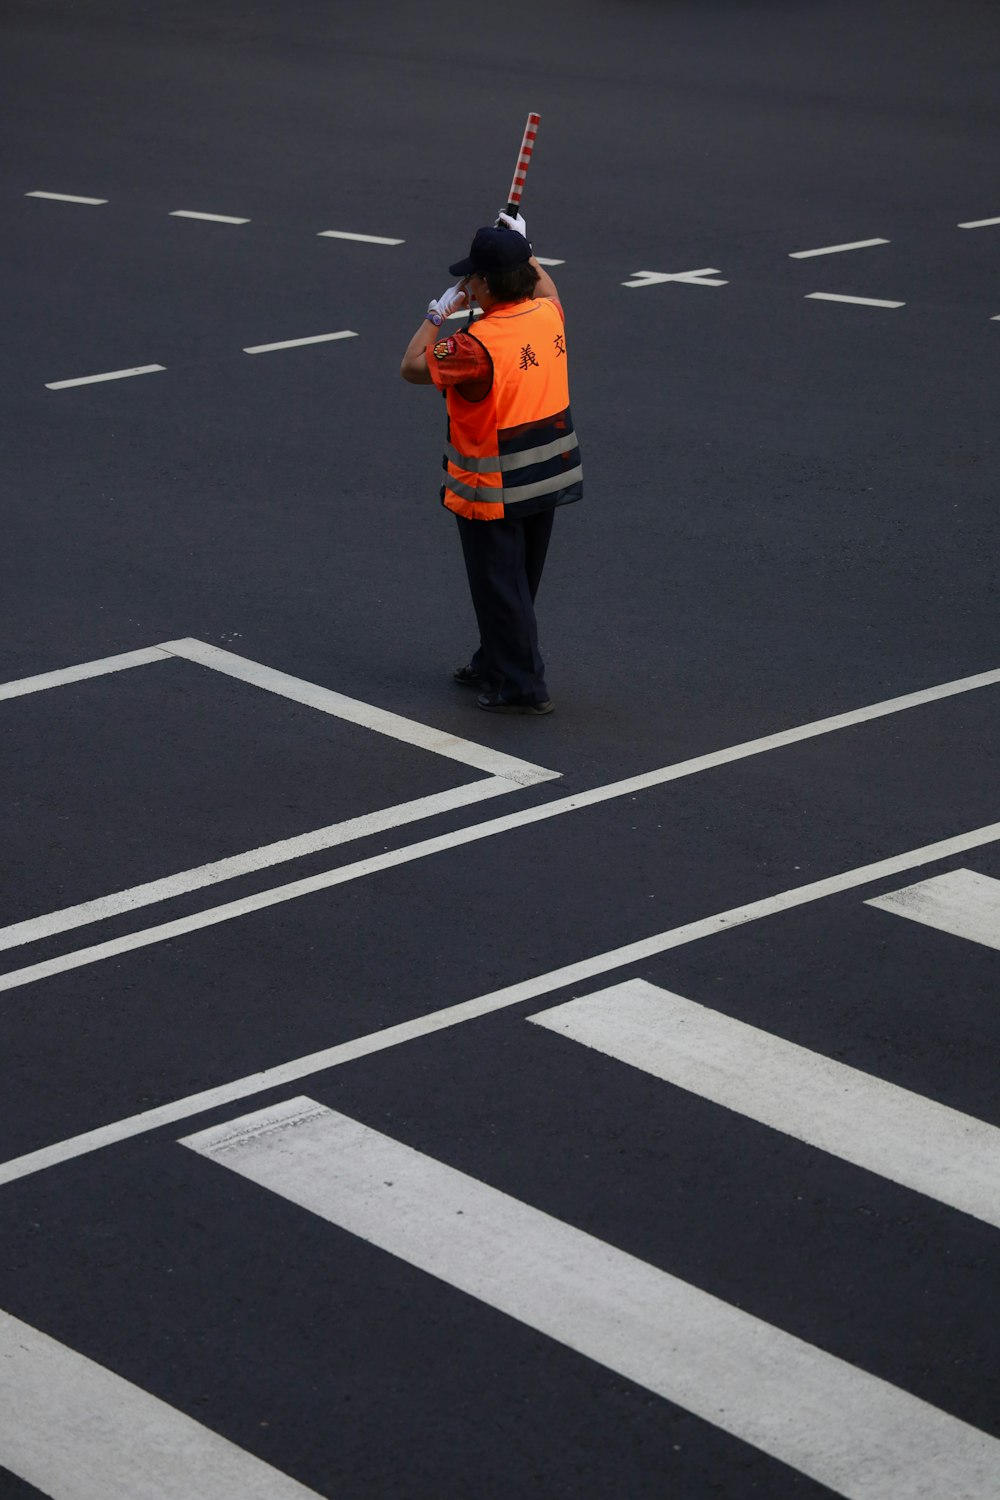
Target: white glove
x,y
450,301
512,221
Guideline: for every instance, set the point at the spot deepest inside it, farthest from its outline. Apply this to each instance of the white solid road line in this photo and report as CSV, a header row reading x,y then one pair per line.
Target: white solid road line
x,y
189,213
316,338
367,239
899,1135
33,929
861,301
961,902
979,224
67,198
451,1015
835,249
311,694
65,675
849,1430
76,1431
366,715
61,385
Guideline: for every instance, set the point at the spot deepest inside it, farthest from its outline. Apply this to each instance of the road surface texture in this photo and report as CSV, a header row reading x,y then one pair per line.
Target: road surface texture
x,y
401,1102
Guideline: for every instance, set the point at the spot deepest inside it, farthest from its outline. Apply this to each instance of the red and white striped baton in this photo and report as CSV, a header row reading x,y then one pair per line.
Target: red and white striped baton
x,y
521,170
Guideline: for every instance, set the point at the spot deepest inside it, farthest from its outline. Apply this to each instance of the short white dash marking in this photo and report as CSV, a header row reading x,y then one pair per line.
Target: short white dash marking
x,y
316,338
835,249
61,385
67,198
899,1135
961,902
543,260
190,213
367,239
861,301
76,1431
979,224
846,1428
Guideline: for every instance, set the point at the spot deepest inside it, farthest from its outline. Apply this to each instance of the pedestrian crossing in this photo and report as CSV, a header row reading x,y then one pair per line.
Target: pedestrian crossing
x,y
899,1135
961,902
847,1429
824,1416
79,1432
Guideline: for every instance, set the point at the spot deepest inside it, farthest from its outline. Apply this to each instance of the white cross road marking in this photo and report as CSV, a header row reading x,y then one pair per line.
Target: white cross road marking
x,y
903,1137
693,278
960,902
848,1429
835,249
861,301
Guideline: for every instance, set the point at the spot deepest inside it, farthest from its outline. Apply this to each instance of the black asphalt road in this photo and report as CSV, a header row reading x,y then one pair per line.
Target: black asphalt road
x,y
790,513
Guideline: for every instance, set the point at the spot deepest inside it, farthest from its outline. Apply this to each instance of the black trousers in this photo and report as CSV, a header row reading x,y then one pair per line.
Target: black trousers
x,y
504,560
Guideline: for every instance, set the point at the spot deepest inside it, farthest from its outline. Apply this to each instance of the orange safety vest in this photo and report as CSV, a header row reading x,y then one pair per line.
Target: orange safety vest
x,y
515,451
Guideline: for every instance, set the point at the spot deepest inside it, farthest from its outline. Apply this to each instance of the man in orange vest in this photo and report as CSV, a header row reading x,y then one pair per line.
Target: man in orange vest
x,y
511,454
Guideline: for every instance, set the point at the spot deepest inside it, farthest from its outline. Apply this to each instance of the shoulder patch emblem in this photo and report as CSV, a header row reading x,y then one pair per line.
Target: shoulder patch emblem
x,y
443,348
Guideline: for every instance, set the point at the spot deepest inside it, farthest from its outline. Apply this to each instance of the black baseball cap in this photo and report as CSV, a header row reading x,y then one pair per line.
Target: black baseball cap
x,y
493,250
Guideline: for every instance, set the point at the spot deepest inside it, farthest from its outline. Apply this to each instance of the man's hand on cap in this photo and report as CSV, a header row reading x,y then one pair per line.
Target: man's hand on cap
x,y
512,221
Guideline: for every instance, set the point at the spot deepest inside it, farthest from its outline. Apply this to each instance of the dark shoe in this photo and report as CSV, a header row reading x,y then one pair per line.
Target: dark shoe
x,y
496,703
469,677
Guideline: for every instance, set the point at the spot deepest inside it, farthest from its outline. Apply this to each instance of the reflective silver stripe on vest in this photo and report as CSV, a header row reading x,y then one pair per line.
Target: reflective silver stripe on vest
x,y
488,465
513,493
521,460
486,495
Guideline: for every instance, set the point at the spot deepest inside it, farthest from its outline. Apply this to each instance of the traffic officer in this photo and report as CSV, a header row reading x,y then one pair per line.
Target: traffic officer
x,y
511,454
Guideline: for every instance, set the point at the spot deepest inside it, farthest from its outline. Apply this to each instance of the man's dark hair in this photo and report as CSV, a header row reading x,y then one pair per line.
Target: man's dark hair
x,y
514,283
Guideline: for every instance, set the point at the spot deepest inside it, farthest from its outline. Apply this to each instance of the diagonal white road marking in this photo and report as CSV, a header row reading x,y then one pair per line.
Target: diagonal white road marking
x,y
961,902
862,1437
923,1145
76,1431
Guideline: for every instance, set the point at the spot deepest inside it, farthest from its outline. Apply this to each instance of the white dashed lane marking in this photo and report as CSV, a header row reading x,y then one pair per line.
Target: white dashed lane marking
x,y
190,213
835,249
61,385
979,223
367,239
67,198
316,338
861,301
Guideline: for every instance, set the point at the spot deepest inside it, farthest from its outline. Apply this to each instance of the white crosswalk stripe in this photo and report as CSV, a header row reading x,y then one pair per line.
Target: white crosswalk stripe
x,y
960,902
900,1135
846,1428
79,1432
